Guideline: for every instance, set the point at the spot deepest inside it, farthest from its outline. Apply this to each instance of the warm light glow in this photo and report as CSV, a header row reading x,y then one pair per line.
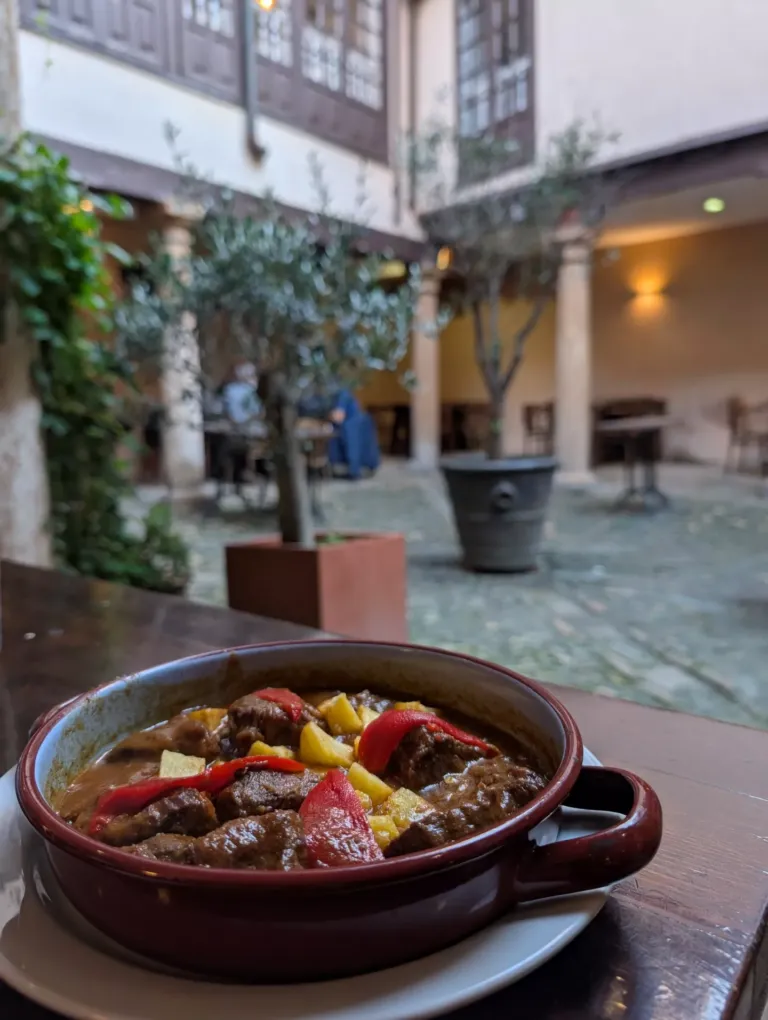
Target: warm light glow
x,y
265,5
648,282
444,259
393,270
647,285
713,205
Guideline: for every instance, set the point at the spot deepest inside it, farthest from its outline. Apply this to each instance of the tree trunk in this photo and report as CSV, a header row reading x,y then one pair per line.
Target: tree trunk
x,y
294,506
494,446
24,498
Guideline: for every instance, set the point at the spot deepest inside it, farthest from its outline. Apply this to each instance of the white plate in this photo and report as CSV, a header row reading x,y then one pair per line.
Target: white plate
x,y
53,956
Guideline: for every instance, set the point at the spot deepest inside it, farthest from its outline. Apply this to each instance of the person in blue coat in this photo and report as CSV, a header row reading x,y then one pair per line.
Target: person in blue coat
x,y
354,444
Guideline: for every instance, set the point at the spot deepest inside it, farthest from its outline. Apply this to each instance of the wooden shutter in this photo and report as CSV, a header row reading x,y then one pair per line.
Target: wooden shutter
x,y
136,31
208,46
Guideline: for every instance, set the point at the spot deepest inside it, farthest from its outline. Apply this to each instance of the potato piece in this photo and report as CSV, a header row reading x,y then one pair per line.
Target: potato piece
x,y
365,800
176,766
209,717
341,716
259,747
316,747
405,807
384,829
367,715
365,781
414,706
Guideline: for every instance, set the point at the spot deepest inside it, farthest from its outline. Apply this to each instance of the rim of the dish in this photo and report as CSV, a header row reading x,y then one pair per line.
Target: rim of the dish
x,y
63,836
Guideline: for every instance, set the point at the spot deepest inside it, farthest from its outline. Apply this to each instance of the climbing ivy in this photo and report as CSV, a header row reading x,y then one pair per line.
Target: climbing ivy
x,y
52,267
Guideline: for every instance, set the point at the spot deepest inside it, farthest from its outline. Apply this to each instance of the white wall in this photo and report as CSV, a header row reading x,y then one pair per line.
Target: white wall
x,y
660,72
98,103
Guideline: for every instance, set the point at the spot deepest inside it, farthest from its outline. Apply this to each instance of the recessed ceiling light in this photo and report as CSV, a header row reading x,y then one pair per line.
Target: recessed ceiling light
x,y
713,205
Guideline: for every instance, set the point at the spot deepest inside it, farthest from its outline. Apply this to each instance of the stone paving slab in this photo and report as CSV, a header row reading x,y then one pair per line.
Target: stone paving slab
x,y
669,610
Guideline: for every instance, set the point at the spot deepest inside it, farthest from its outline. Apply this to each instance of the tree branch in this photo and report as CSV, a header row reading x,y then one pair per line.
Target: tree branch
x,y
521,338
481,353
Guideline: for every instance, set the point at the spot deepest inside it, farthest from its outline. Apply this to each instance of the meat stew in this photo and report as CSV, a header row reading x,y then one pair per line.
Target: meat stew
x,y
279,780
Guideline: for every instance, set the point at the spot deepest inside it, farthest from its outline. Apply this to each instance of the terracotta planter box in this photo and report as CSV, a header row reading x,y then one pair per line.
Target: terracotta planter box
x,y
355,588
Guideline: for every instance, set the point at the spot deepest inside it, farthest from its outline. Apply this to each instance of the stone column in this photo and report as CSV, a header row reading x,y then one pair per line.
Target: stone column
x,y
183,438
573,402
425,358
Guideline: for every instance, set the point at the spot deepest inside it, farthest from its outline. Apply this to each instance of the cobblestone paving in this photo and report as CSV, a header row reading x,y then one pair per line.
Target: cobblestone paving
x,y
669,610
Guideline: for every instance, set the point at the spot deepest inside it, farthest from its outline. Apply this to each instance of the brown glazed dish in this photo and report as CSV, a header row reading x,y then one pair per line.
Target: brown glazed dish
x,y
309,924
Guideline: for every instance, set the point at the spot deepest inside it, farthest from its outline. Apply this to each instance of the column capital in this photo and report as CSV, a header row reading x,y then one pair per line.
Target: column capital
x,y
431,279
184,212
576,252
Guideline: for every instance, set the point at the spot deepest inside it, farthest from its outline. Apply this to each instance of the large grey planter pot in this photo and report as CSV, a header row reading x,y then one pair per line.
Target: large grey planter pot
x,y
499,507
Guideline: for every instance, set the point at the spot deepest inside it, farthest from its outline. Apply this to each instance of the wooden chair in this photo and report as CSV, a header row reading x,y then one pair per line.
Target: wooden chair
x,y
539,428
744,433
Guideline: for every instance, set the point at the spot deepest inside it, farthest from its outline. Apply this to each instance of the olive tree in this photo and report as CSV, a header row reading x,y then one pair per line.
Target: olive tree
x,y
504,241
296,295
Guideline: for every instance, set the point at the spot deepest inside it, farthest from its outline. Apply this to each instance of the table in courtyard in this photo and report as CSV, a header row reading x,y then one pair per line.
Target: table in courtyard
x,y
685,940
641,451
313,436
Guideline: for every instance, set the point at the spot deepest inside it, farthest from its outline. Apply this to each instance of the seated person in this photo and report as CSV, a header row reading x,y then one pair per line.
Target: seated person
x,y
354,444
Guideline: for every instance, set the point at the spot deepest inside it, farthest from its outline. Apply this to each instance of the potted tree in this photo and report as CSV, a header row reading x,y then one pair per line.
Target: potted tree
x,y
503,245
300,299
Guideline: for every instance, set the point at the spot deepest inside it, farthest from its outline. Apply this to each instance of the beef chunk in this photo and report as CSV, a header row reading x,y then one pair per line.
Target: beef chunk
x,y
259,792
167,847
182,734
251,718
274,841
425,756
370,700
487,793
185,812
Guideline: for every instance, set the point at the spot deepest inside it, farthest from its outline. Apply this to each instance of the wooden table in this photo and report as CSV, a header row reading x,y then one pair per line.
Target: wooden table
x,y
685,940
639,434
311,434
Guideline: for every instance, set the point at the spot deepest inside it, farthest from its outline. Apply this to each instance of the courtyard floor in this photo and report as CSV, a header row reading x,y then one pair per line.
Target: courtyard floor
x,y
669,610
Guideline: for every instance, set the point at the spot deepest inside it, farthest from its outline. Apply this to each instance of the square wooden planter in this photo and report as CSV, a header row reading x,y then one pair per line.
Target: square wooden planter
x,y
355,588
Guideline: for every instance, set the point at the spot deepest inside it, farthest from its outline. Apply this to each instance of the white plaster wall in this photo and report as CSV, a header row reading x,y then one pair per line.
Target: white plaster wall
x,y
660,72
99,103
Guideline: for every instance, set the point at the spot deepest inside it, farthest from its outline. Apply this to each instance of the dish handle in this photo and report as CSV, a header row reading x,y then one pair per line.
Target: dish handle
x,y
590,862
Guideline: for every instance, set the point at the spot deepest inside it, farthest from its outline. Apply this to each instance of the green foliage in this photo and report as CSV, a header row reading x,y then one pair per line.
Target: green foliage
x,y
297,296
52,267
505,240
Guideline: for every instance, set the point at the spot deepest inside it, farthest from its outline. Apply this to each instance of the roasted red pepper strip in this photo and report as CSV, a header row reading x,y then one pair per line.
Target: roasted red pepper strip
x,y
336,828
382,736
291,703
127,800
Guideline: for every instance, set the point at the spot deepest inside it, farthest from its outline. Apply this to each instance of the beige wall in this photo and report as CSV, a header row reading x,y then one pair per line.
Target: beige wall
x,y
99,103
702,340
661,72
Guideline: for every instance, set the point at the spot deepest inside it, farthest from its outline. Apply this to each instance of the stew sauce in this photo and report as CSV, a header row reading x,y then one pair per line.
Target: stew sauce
x,y
282,781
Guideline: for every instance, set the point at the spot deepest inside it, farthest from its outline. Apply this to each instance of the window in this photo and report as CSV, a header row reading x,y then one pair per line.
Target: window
x,y
365,53
323,69
494,70
214,15
274,34
322,43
